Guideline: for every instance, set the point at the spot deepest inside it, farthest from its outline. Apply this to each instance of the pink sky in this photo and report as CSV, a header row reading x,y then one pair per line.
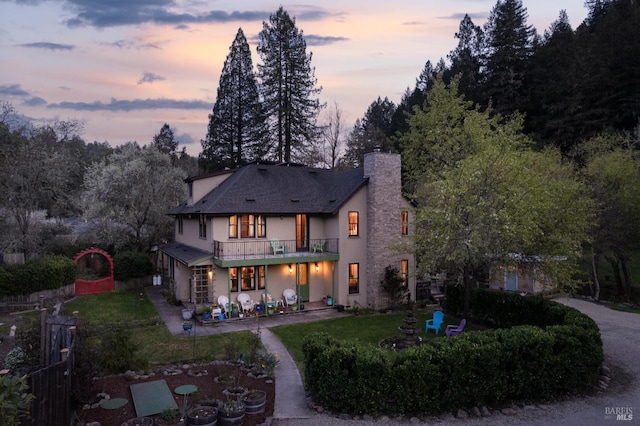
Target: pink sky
x,y
126,68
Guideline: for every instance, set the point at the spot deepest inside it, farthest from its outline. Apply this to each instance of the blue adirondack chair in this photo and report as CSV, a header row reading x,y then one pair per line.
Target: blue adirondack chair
x,y
435,323
454,330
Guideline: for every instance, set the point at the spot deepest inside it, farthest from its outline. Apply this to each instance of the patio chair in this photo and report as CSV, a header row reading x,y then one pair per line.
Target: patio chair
x,y
289,296
277,248
223,301
319,247
245,302
435,323
454,330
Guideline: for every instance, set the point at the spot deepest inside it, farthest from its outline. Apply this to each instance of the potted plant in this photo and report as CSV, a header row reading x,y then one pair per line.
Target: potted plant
x,y
206,312
203,415
255,401
234,310
231,412
170,417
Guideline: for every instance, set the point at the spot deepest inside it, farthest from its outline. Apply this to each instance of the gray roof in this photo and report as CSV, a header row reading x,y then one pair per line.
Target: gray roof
x,y
278,189
184,253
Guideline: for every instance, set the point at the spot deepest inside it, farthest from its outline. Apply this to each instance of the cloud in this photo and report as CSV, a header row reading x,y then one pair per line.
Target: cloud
x,y
35,101
48,46
149,77
460,16
316,40
114,13
133,105
12,90
128,44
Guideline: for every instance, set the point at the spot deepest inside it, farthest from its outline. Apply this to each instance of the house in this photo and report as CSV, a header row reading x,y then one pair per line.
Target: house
x,y
520,275
261,229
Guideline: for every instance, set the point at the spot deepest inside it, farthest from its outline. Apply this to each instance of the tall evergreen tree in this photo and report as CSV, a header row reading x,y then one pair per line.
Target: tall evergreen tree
x,y
237,130
552,87
373,130
466,58
288,87
509,42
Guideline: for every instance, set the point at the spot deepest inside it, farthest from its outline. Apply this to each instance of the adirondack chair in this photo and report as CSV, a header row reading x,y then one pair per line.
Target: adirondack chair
x,y
290,297
245,302
454,330
435,323
319,247
223,301
277,248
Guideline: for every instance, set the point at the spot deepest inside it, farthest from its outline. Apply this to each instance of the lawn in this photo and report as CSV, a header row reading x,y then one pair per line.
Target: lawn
x,y
160,347
151,336
368,329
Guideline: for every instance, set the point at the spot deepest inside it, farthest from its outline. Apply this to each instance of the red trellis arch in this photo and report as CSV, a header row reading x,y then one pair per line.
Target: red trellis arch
x,y
101,285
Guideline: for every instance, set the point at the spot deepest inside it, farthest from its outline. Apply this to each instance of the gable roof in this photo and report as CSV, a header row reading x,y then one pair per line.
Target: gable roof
x,y
278,189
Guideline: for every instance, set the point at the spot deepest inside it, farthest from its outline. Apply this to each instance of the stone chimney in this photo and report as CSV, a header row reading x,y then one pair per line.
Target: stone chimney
x,y
384,206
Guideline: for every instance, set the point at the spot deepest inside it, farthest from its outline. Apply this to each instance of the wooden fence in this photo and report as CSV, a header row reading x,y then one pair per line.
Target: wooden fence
x,y
51,384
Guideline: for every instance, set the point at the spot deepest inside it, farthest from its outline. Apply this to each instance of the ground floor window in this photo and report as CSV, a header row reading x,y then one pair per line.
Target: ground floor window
x,y
354,278
404,272
249,278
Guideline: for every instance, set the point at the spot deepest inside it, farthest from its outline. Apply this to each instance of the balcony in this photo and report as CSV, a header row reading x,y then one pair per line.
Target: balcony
x,y
242,253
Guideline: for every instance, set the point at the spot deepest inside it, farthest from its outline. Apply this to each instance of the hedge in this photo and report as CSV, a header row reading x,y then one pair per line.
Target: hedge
x,y
494,367
48,273
131,264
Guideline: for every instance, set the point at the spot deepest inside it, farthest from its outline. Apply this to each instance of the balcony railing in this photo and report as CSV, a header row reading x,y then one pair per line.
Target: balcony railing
x,y
262,249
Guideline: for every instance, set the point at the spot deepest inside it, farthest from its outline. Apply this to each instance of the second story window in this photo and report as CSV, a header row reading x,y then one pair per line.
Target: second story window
x,y
261,226
404,223
202,227
247,226
180,225
353,224
233,226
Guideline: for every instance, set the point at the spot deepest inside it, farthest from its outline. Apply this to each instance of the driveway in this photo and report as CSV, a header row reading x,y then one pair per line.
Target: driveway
x,y
621,339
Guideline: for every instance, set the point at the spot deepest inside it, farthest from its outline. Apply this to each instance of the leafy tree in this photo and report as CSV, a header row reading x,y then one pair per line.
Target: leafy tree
x,y
612,172
237,131
129,193
475,203
332,136
509,43
35,177
288,87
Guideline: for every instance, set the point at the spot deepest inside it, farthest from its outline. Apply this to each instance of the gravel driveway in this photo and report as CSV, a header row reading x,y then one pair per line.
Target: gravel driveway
x,y
621,339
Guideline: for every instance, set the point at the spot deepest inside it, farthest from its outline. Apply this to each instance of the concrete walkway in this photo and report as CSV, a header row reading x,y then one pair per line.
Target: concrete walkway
x,y
290,399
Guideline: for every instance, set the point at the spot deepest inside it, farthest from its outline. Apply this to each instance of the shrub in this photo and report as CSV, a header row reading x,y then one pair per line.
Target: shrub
x,y
131,264
48,273
118,352
559,354
14,399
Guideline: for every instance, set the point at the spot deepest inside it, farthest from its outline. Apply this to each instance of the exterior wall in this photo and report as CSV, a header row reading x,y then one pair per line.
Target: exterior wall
x,y
352,250
201,187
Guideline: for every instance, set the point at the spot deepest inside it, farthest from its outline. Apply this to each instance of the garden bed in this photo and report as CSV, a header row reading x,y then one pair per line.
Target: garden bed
x,y
208,388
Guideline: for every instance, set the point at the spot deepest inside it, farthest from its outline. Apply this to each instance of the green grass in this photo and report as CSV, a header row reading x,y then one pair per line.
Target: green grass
x,y
160,347
368,329
149,332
